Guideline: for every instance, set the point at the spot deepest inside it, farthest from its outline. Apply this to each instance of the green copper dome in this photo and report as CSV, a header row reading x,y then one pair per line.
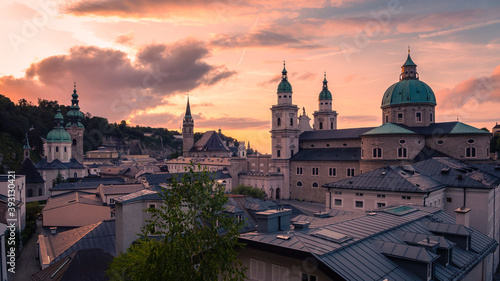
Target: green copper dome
x,y
284,86
325,93
58,134
75,116
408,91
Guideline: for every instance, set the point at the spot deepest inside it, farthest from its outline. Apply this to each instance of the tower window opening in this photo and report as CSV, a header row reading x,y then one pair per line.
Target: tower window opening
x,y
291,121
74,141
400,117
331,126
279,121
321,125
57,148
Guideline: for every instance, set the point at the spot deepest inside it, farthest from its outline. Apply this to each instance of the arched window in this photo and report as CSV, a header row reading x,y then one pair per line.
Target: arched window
x,y
321,125
74,141
331,126
279,121
75,174
377,152
65,149
470,152
291,121
299,183
315,184
57,148
30,193
40,192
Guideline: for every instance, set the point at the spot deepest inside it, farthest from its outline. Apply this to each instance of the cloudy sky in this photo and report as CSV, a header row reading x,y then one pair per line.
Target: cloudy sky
x,y
137,60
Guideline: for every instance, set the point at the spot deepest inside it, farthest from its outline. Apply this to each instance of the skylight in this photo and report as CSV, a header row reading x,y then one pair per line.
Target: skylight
x,y
332,236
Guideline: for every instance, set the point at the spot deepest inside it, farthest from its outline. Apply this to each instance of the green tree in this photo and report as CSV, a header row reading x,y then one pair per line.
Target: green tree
x,y
59,179
250,191
193,239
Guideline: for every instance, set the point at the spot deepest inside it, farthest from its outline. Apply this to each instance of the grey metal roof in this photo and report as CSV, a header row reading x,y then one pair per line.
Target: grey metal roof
x,y
76,186
145,194
58,165
72,197
28,169
352,133
406,251
391,178
121,189
328,154
210,141
156,179
454,173
360,258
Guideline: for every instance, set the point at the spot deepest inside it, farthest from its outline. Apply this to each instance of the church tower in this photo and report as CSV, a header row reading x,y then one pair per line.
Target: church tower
x,y
187,130
58,144
325,118
75,127
284,134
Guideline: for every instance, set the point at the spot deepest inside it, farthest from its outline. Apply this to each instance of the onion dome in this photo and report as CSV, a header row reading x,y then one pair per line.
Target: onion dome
x,y
325,93
58,134
284,86
75,116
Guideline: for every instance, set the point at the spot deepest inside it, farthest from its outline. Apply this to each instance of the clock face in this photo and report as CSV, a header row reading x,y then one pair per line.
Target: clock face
x,y
73,129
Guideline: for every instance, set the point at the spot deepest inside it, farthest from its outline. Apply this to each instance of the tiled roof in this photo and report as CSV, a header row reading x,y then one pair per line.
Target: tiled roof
x,y
145,194
353,133
328,154
72,197
81,265
32,174
75,186
359,257
121,189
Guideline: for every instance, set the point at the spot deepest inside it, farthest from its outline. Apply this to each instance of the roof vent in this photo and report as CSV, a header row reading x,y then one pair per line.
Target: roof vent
x,y
301,225
445,170
371,214
383,173
460,177
331,236
284,237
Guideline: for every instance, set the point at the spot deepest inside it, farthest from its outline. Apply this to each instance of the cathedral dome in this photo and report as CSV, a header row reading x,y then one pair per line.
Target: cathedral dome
x,y
58,134
408,92
409,89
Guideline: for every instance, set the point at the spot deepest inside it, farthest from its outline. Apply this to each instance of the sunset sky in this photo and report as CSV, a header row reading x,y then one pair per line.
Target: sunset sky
x,y
137,60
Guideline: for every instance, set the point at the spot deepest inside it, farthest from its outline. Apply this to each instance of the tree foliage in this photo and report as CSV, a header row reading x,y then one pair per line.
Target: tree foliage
x,y
249,190
188,237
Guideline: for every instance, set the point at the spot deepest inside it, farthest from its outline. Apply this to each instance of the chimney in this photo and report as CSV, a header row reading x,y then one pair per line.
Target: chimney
x,y
273,220
53,230
301,225
462,216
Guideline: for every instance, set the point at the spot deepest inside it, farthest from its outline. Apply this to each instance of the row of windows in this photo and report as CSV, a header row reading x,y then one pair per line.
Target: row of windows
x,y
321,126
332,172
57,149
402,152
418,117
278,153
278,122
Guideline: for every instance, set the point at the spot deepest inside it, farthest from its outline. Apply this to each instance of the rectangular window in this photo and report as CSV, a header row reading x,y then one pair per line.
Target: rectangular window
x,y
315,171
448,199
430,117
350,172
280,272
470,152
299,170
309,277
400,117
338,192
338,202
418,116
358,204
239,218
380,204
257,269
377,152
291,153
278,153
111,201
332,172
380,195
406,197
359,194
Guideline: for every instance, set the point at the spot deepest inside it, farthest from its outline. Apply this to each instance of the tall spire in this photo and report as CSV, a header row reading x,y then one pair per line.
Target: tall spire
x,y
284,86
284,75
188,109
26,142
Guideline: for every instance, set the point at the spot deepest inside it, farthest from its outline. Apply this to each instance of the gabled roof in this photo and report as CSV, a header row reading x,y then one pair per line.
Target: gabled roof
x,y
81,265
99,235
145,194
210,141
353,133
389,129
328,154
121,189
32,174
75,186
391,178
